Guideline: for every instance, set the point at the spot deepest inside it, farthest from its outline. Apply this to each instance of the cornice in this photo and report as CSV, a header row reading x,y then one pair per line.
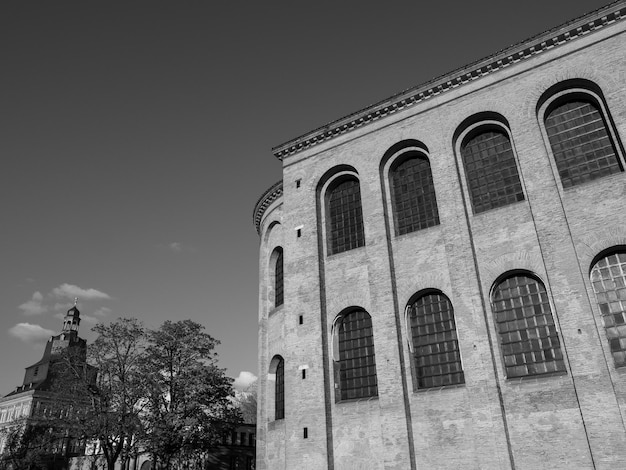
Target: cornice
x,y
264,202
531,47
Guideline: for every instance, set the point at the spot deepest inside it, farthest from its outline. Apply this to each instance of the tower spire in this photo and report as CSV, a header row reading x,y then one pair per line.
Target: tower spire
x,y
71,321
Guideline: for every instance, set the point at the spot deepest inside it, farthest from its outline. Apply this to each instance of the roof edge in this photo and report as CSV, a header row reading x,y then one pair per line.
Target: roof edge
x,y
269,196
537,44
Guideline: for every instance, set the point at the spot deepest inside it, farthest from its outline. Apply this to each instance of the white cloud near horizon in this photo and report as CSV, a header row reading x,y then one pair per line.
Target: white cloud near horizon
x,y
243,380
34,306
30,333
176,246
71,291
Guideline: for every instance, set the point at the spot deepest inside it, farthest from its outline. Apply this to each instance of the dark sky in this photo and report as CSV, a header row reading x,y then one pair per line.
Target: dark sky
x,y
136,137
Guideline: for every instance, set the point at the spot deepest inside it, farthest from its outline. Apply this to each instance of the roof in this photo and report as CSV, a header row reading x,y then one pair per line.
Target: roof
x,y
27,388
555,37
269,196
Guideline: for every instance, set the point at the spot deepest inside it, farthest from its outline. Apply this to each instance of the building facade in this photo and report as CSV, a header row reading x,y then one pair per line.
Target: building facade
x,y
33,399
443,274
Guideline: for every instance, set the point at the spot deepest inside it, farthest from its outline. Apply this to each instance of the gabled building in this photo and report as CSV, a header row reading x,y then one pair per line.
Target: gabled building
x,y
32,399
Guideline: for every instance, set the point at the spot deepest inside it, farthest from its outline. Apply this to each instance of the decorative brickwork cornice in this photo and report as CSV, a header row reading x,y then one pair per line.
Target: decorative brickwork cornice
x,y
555,37
264,202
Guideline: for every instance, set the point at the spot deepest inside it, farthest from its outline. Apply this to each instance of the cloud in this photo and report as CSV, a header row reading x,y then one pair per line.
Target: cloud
x,y
102,312
30,333
176,246
70,291
34,305
89,319
244,380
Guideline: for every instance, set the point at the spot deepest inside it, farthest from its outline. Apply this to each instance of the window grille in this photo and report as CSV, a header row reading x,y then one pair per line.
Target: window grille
x,y
278,280
435,345
491,171
280,390
608,278
357,361
528,337
580,142
413,194
345,217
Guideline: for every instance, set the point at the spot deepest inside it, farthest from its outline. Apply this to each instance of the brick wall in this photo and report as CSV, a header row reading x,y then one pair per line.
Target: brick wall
x,y
571,420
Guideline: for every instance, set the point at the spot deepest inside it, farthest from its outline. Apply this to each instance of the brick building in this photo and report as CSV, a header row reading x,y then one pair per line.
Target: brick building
x,y
443,274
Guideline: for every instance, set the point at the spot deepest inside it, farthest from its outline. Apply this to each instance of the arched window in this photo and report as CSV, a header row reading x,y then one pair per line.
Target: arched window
x,y
528,337
490,168
608,277
581,144
413,193
435,345
344,215
279,389
355,360
278,279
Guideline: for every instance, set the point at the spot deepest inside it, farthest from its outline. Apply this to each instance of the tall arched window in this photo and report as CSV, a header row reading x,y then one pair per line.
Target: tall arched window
x,y
278,279
344,215
490,167
279,391
528,337
581,144
608,277
435,345
355,360
413,193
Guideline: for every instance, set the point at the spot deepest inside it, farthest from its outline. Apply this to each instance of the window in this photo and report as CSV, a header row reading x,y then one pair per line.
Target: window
x,y
278,279
355,366
490,168
279,400
413,193
582,147
236,462
435,345
528,337
608,277
344,215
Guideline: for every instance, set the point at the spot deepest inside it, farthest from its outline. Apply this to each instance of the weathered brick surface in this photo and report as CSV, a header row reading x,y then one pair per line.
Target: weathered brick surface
x,y
573,420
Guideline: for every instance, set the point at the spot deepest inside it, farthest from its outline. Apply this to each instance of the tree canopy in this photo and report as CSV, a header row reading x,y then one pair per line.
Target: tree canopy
x,y
159,391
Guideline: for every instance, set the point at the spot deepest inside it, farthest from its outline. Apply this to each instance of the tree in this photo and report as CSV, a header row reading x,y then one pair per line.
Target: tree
x,y
189,403
29,446
111,387
246,401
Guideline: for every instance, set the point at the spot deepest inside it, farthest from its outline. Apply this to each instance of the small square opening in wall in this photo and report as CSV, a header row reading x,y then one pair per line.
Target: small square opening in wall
x,y
298,183
306,433
301,319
